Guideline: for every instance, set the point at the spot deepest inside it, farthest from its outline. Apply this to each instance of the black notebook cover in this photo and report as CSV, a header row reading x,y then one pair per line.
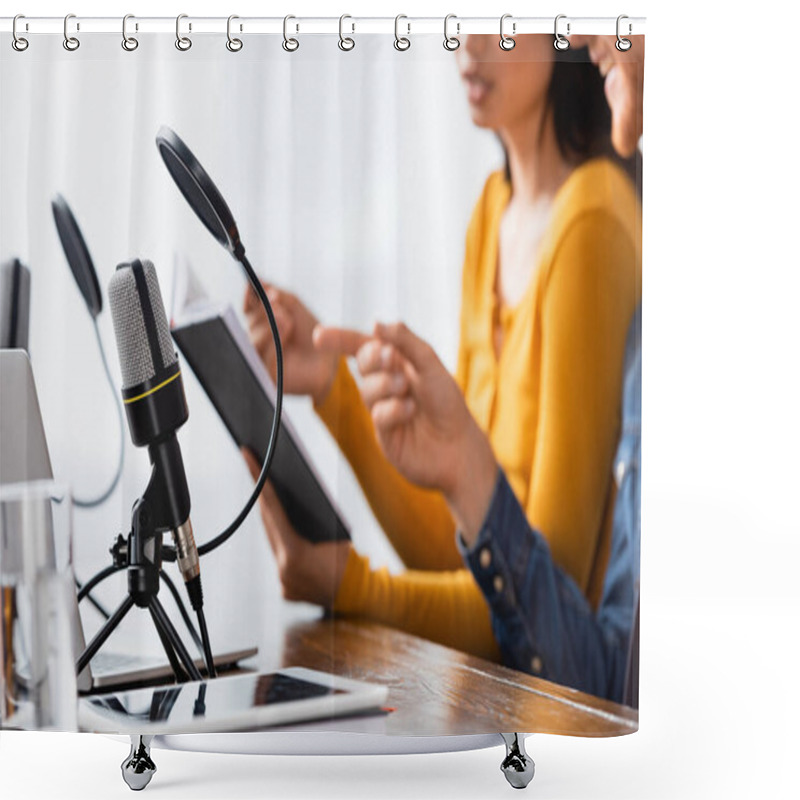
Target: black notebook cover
x,y
239,395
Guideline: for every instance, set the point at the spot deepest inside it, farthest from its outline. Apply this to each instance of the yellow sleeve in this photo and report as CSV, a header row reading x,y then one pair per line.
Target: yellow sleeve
x,y
416,521
591,291
444,607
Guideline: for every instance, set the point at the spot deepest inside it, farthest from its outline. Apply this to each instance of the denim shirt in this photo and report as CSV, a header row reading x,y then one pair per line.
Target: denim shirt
x,y
542,622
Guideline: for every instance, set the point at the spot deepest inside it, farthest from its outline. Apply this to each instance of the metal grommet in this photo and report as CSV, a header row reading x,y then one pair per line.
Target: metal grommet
x,y
506,42
129,43
183,43
289,44
450,42
560,43
346,43
623,45
19,43
233,44
401,43
71,43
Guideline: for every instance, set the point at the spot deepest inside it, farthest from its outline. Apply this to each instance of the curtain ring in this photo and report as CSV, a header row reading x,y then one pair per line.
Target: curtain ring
x,y
346,43
19,43
289,44
623,45
450,42
71,43
560,43
506,42
183,43
129,43
233,44
401,43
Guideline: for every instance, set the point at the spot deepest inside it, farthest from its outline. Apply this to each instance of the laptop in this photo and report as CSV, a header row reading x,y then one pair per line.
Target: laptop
x,y
24,457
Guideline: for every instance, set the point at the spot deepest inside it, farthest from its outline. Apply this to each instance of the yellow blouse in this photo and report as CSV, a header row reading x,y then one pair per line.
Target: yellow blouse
x,y
549,403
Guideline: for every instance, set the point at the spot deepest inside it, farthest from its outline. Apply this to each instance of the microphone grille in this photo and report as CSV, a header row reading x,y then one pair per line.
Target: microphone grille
x,y
144,343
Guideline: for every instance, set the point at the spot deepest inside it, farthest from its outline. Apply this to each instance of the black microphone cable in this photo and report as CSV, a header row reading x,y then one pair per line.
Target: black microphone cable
x,y
276,418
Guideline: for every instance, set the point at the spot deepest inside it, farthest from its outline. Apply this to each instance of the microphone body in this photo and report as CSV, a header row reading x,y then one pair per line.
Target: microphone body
x,y
155,406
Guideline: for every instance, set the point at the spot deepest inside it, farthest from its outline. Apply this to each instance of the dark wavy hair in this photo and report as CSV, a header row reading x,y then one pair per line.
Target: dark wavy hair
x,y
581,115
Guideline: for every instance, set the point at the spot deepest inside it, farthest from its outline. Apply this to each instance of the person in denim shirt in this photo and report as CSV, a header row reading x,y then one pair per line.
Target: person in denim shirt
x,y
542,621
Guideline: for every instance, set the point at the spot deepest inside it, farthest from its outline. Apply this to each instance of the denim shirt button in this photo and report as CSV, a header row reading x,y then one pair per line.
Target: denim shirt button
x,y
485,558
499,584
620,472
536,665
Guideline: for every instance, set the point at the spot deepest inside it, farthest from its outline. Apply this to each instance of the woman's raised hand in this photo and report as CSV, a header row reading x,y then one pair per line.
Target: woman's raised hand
x,y
306,369
421,419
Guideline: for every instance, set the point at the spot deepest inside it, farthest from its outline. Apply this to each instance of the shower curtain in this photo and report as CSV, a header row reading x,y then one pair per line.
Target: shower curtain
x,y
476,193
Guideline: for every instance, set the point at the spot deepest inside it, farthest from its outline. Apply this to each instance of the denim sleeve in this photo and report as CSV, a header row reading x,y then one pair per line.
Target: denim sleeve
x,y
543,623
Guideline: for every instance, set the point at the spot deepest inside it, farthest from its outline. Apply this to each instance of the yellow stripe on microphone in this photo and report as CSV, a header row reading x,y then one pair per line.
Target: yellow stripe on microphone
x,y
153,390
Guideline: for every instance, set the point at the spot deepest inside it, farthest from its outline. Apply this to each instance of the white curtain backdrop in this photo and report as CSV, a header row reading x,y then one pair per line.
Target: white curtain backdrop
x,y
352,177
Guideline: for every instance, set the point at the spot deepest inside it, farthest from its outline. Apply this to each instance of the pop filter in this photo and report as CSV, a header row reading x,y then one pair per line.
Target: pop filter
x,y
78,258
203,196
199,190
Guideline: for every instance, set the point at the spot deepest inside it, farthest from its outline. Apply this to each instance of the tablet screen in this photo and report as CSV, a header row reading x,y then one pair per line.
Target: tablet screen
x,y
165,704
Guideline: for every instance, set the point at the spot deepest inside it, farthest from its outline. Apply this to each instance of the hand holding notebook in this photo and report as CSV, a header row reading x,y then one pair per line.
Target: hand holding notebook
x,y
216,347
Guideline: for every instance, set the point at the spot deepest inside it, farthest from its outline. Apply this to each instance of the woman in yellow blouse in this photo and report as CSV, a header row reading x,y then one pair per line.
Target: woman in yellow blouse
x,y
552,275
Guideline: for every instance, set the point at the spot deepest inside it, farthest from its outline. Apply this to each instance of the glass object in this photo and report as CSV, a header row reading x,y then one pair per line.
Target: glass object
x,y
38,608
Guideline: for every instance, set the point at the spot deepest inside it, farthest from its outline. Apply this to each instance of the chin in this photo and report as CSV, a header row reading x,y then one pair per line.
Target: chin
x,y
480,118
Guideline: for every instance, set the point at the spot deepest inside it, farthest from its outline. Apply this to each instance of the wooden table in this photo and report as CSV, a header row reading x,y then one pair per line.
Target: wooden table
x,y
438,691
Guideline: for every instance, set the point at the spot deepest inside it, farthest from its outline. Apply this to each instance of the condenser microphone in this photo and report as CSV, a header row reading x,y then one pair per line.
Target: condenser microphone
x,y
155,404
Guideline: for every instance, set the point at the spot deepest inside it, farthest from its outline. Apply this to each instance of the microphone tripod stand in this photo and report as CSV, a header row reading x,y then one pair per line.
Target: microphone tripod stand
x,y
153,514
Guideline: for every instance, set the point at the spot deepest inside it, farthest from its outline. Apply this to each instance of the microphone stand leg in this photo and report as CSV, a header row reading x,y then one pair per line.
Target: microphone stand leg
x,y
163,623
518,766
103,634
180,673
138,768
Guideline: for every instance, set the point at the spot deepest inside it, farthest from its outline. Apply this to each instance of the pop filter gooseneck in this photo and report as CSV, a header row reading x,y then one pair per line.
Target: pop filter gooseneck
x,y
208,203
82,267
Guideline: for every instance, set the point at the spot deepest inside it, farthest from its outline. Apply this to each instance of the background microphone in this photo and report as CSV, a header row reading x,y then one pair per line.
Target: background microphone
x,y
155,405
15,298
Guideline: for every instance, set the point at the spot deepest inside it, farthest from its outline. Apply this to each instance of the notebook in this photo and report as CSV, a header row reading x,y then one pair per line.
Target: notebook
x,y
214,344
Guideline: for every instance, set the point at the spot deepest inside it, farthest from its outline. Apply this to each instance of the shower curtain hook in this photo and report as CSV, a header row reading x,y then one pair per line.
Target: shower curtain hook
x,y
183,43
290,44
623,45
233,44
560,43
450,42
346,43
401,43
19,43
71,43
129,43
507,42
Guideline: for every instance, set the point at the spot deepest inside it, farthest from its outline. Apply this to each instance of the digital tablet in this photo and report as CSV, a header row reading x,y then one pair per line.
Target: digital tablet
x,y
236,703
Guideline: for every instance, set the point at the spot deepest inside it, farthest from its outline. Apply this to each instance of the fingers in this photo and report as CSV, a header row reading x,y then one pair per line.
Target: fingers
x,y
282,304
276,523
342,341
416,350
252,463
383,385
378,356
393,412
252,302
